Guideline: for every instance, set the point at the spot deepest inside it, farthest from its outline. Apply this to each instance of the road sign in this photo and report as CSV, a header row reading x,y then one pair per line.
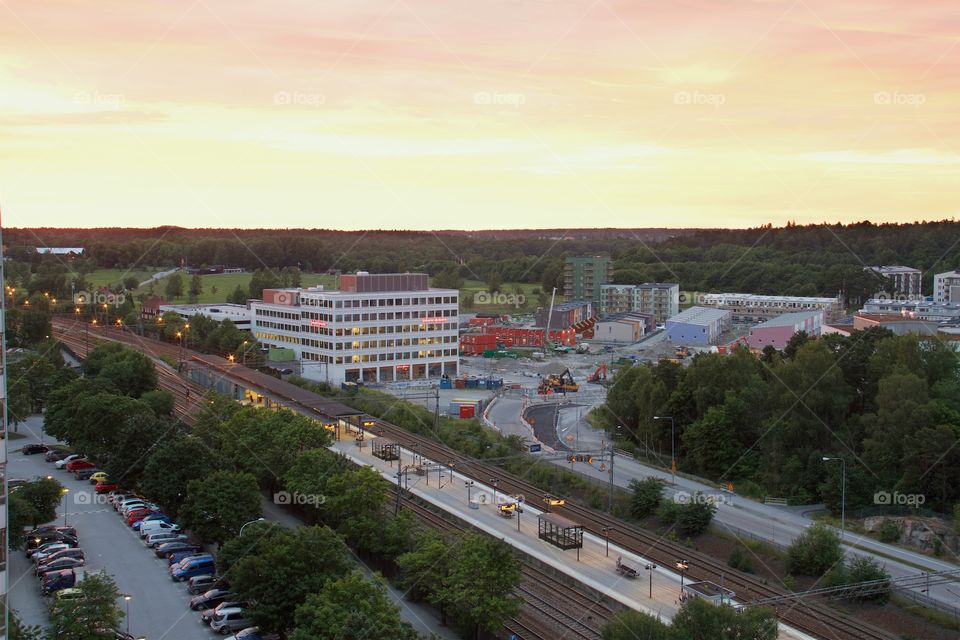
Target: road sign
x,y
534,448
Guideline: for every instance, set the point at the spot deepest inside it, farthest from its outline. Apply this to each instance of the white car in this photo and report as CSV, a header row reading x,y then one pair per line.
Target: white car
x,y
47,550
60,464
229,620
130,505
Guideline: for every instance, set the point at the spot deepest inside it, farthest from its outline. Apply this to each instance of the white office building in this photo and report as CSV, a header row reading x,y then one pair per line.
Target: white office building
x,y
899,280
753,308
375,328
239,314
946,287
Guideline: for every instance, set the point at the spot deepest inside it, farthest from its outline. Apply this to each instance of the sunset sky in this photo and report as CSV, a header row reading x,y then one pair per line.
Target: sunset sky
x,y
444,114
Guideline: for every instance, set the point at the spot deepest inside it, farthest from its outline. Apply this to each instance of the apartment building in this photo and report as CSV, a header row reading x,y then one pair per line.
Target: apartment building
x,y
753,308
946,287
374,328
583,276
658,299
899,280
913,310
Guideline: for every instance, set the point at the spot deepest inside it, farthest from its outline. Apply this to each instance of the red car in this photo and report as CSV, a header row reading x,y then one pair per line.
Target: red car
x,y
106,487
80,463
139,514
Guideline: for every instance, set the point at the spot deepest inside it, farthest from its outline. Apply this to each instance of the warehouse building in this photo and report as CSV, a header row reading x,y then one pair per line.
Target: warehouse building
x,y
777,332
698,326
375,328
624,328
239,314
752,308
565,315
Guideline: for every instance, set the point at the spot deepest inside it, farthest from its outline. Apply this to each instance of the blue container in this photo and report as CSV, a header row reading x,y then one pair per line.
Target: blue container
x,y
472,383
445,383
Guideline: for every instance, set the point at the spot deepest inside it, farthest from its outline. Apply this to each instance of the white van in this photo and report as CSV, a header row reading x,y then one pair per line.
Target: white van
x,y
153,526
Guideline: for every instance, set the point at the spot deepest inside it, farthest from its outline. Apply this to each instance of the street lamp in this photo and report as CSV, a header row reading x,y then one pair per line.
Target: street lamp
x,y
243,354
246,523
494,482
843,491
126,598
469,485
673,447
230,358
606,538
682,566
650,568
65,491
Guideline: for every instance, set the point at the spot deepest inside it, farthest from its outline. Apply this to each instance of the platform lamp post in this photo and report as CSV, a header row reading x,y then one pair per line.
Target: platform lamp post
x,y
606,538
469,485
843,491
243,354
650,568
64,492
682,566
494,482
126,598
673,447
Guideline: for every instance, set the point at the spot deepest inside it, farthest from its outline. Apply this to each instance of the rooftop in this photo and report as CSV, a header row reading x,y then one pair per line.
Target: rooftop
x,y
699,315
627,316
789,319
893,268
916,305
558,520
764,298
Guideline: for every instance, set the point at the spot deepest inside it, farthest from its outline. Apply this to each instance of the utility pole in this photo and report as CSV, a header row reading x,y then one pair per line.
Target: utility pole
x,y
610,497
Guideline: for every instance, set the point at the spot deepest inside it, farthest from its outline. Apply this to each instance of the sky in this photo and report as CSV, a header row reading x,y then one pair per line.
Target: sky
x,y
449,114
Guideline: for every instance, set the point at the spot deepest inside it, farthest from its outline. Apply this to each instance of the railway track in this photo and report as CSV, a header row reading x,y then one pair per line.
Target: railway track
x,y
550,603
813,618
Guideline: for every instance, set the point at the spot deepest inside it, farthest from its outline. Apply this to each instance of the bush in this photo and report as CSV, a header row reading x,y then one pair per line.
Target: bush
x,y
814,552
740,560
889,531
857,570
647,495
691,518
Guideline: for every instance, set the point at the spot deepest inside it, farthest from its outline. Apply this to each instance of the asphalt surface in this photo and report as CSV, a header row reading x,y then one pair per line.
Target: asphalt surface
x,y
158,606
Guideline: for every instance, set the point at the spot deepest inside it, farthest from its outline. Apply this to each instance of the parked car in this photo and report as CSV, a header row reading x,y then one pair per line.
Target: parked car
x,y
67,459
207,615
56,580
32,449
191,567
211,598
62,553
227,621
77,464
56,565
13,483
50,528
55,455
50,536
167,548
99,476
46,550
180,557
70,593
84,474
157,538
105,487
138,515
201,583
253,633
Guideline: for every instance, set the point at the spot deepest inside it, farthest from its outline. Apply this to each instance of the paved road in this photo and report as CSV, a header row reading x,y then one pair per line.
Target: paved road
x,y
158,608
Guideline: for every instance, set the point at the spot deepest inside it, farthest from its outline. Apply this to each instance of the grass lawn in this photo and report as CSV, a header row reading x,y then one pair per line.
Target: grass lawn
x,y
507,301
216,288
104,277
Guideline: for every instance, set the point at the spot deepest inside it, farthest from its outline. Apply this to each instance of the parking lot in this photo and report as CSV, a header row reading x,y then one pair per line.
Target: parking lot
x,y
158,606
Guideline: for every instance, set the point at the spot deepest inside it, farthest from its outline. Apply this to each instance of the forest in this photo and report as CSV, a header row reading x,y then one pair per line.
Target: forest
x,y
825,259
888,405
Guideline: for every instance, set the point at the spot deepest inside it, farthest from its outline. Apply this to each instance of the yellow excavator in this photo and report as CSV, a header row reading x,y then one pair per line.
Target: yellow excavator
x,y
554,383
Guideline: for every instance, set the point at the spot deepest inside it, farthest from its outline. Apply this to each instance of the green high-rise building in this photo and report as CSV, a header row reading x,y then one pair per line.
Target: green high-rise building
x,y
584,275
